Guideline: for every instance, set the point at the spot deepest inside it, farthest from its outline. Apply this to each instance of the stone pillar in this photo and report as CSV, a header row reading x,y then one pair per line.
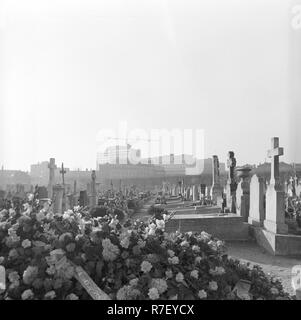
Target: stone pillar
x,y
216,189
93,189
243,193
75,199
188,193
58,195
257,194
51,167
275,197
231,185
195,193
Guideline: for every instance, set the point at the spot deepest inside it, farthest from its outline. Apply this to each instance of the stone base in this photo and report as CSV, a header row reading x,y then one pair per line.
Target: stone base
x,y
277,244
229,227
279,228
255,222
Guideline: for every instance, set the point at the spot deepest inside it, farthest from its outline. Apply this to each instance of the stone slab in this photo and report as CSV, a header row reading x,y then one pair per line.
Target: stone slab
x,y
229,227
277,244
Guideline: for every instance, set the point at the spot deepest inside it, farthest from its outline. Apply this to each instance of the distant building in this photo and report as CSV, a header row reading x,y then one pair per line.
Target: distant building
x,y
118,155
13,177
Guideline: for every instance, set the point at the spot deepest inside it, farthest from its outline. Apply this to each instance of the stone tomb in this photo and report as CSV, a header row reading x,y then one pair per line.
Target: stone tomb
x,y
229,228
273,236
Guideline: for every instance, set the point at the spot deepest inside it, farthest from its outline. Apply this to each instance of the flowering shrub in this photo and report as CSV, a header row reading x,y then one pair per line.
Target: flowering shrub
x,y
135,260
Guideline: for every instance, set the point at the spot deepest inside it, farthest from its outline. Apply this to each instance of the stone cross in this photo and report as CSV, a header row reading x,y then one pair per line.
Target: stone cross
x,y
275,198
275,153
63,172
52,167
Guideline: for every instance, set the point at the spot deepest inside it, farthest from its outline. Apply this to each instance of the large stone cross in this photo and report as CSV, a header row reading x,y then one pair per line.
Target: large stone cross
x,y
275,153
63,172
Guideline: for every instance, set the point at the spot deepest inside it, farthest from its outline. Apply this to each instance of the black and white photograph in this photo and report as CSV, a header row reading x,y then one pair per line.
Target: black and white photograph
x,y
150,150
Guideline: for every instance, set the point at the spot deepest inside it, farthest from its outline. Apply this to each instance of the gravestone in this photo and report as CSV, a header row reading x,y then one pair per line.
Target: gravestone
x,y
291,192
75,199
20,193
275,197
52,168
298,189
257,195
58,196
188,193
203,189
173,191
195,194
83,198
216,189
42,192
2,194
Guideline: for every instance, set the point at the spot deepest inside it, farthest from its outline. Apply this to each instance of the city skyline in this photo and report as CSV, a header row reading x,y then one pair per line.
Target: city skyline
x,y
68,71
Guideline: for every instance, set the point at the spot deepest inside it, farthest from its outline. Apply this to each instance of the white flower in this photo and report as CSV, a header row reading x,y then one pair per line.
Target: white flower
x,y
26,243
2,260
274,291
202,294
213,285
13,277
196,249
218,271
153,294
160,224
168,274
184,243
50,295
30,196
171,253
125,242
160,285
72,296
40,216
194,274
133,282
146,266
173,260
27,294
110,251
179,277
198,259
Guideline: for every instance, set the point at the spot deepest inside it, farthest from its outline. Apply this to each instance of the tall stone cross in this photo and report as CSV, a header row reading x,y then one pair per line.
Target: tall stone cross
x,y
275,153
52,167
63,172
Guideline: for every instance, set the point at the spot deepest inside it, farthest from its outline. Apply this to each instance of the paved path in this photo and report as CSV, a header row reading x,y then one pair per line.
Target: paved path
x,y
142,212
279,266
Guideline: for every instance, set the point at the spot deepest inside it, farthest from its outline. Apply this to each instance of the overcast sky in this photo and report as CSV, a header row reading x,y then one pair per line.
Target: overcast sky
x,y
70,68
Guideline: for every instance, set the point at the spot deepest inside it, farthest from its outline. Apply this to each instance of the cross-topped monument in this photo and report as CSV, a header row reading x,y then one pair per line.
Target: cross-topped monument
x,y
63,172
52,167
275,197
275,153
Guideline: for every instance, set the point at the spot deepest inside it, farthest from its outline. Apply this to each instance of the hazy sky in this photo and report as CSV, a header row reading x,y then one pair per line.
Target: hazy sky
x,y
70,68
